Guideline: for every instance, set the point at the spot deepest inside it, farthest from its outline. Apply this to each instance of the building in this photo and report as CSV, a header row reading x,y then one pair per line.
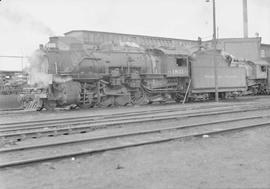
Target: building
x,y
242,48
98,38
265,52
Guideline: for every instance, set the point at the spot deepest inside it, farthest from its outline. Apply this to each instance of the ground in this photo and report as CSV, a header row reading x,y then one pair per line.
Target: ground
x,y
8,101
232,160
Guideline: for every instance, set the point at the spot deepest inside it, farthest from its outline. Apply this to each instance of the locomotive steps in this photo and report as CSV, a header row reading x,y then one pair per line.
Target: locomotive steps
x,y
141,134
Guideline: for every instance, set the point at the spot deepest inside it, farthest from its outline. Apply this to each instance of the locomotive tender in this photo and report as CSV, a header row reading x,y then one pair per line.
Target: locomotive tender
x,y
66,72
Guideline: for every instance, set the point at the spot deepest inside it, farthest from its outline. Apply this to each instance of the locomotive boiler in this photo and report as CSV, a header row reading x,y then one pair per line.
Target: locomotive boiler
x,y
68,72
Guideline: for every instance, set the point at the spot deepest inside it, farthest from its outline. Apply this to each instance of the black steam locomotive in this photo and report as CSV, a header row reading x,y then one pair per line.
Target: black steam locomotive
x,y
65,72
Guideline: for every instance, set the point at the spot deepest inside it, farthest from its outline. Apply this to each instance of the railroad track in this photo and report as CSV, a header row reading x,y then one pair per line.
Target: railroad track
x,y
10,110
7,112
35,129
14,111
122,138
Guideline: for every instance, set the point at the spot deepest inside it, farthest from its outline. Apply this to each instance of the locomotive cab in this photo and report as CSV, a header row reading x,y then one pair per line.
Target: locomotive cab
x,y
174,72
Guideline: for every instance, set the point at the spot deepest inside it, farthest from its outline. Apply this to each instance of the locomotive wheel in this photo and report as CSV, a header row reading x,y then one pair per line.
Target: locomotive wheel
x,y
107,101
178,97
49,104
122,100
138,97
86,106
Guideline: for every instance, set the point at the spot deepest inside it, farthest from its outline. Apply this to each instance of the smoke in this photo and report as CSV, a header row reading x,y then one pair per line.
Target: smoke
x,y
129,44
25,20
38,71
59,79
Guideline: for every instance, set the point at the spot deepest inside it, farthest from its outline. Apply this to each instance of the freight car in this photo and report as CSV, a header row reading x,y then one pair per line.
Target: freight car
x,y
66,72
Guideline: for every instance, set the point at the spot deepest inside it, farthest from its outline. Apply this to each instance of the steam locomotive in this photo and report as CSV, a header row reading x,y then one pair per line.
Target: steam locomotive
x,y
257,75
66,72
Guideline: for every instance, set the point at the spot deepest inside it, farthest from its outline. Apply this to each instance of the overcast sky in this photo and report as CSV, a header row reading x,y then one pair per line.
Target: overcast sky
x,y
27,23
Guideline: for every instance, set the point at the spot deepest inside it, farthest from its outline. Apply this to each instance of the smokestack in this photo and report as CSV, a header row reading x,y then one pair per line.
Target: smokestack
x,y
245,19
41,46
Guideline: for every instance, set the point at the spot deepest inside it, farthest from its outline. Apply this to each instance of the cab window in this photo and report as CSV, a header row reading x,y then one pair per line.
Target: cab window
x,y
181,62
263,68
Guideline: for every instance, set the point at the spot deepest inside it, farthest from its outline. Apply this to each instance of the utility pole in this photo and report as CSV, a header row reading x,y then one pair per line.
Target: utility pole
x,y
245,19
215,50
214,43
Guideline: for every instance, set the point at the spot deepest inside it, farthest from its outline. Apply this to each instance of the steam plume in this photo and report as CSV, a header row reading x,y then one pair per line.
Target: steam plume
x,y
38,72
25,20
